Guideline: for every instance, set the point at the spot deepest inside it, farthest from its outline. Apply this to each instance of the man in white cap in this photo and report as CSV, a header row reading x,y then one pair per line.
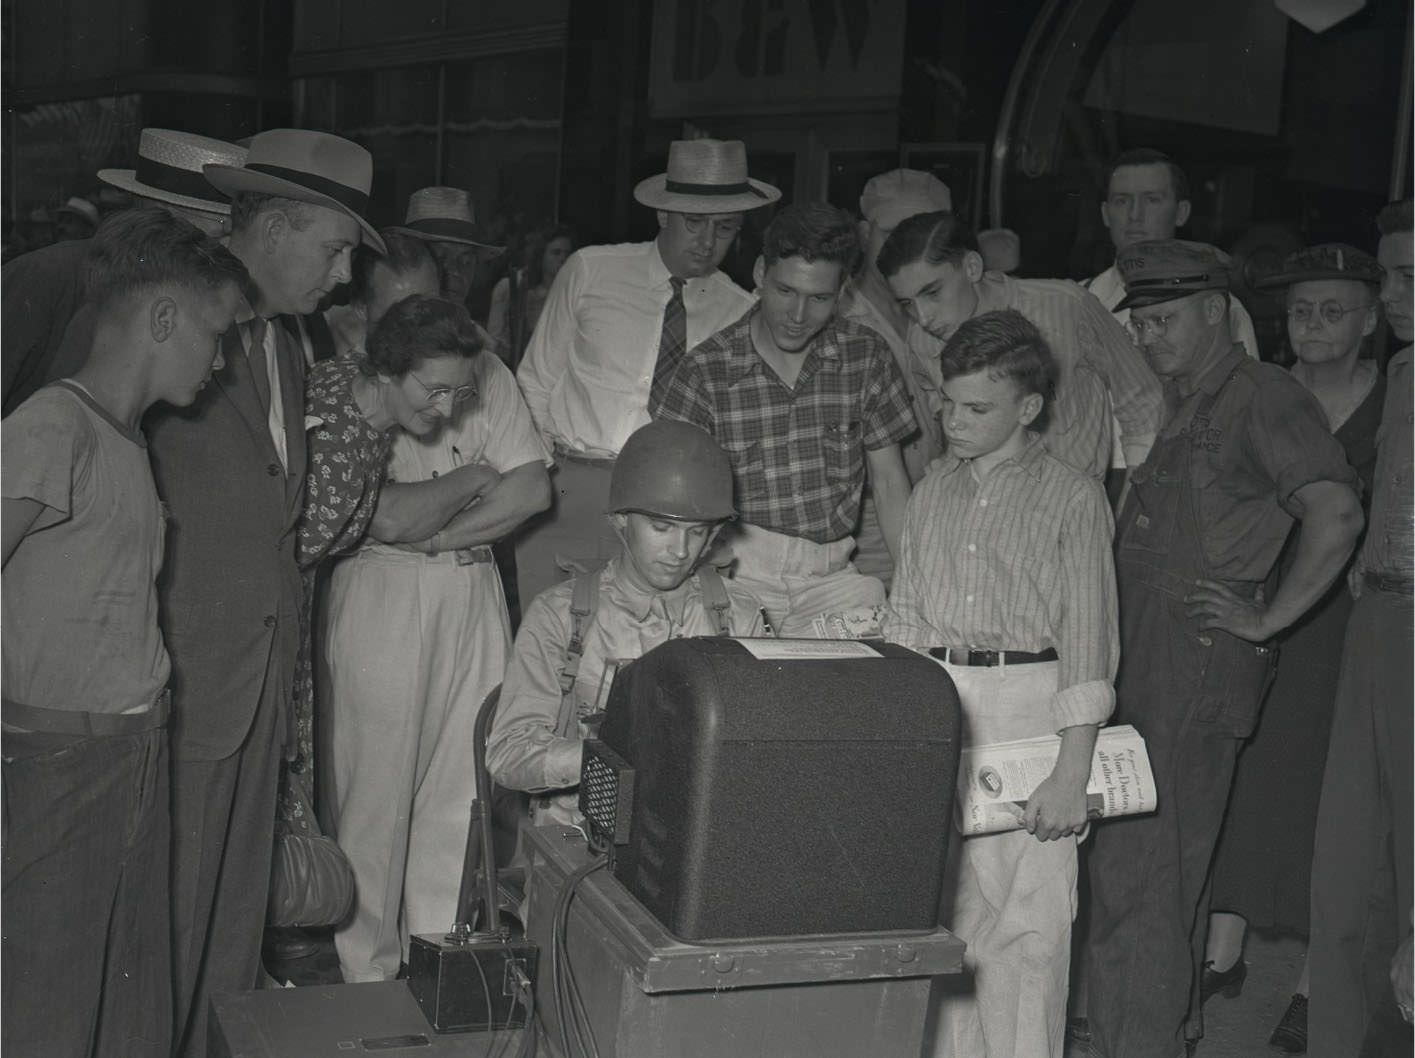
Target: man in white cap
x,y
886,200
232,472
615,323
42,291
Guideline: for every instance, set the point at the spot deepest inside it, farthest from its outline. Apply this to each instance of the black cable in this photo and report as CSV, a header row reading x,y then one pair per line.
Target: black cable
x,y
485,991
569,1003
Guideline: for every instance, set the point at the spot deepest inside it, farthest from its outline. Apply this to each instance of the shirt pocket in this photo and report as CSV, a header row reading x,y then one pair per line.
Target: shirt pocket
x,y
749,471
840,446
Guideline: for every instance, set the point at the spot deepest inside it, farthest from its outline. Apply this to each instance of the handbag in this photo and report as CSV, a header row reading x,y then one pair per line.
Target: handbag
x,y
311,880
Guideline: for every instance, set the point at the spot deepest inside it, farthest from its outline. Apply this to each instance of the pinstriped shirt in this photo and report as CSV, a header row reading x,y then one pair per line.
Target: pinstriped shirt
x,y
798,452
1020,560
1100,370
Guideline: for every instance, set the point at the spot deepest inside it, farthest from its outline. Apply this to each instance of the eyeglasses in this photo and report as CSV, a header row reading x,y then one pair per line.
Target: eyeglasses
x,y
724,228
1332,312
436,394
1151,325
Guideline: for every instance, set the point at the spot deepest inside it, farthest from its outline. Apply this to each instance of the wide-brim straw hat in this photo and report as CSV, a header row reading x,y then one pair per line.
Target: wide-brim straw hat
x,y
443,214
705,176
315,167
169,170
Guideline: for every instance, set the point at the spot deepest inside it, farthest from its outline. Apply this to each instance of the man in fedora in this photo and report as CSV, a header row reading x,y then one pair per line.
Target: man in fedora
x,y
615,323
1243,456
231,470
42,291
443,218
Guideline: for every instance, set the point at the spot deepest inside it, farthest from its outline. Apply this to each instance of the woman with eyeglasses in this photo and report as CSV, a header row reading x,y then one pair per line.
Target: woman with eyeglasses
x,y
1263,864
424,456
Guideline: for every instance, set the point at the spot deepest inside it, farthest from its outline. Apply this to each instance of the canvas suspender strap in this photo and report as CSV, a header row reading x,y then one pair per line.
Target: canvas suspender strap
x,y
715,600
584,600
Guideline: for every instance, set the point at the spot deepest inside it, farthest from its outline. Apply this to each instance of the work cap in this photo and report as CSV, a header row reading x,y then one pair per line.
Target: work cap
x,y
903,193
1330,260
1165,269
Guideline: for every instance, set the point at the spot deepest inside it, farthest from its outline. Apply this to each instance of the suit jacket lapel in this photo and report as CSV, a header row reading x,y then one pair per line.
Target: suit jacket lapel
x,y
290,359
238,386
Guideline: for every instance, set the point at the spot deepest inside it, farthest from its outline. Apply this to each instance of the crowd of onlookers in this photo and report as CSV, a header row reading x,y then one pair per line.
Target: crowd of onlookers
x,y
280,486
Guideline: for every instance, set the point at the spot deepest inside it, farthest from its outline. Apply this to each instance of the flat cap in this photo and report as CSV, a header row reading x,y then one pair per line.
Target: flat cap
x,y
1329,260
900,194
1167,269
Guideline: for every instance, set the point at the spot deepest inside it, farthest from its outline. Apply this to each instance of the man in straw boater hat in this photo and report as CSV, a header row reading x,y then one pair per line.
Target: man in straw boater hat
x,y
443,218
42,291
615,323
232,470
1243,457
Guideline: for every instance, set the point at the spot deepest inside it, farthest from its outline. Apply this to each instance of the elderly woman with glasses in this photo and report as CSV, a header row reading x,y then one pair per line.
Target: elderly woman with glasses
x,y
425,456
418,369
1263,863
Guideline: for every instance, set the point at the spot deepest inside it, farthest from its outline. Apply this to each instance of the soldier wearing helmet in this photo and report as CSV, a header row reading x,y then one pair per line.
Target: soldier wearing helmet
x,y
669,495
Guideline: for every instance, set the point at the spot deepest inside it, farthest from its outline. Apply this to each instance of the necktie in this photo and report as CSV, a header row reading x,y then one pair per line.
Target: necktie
x,y
672,343
260,374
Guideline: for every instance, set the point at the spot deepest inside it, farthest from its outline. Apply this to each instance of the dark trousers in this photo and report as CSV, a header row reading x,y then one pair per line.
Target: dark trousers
x,y
86,943
223,826
1193,697
1364,827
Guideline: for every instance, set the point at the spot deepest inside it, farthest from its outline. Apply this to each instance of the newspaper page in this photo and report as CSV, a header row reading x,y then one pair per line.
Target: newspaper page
x,y
994,782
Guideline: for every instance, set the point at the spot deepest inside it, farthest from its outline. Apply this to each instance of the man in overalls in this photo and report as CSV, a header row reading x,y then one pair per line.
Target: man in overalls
x,y
1244,453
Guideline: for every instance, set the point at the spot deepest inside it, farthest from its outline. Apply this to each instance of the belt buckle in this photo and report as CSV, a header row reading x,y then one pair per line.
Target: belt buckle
x,y
984,658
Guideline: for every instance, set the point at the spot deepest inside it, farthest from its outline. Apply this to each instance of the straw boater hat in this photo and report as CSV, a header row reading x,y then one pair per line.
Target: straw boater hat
x,y
314,167
170,170
705,176
443,214
80,207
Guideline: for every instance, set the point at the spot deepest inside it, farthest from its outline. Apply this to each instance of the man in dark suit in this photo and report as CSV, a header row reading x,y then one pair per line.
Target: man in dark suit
x,y
231,469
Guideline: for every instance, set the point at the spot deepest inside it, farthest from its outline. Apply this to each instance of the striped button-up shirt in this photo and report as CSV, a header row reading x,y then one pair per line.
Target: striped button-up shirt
x,y
1019,560
798,452
1388,539
1100,371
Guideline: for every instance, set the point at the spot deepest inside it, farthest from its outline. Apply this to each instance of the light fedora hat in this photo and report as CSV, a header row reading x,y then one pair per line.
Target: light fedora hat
x,y
705,176
169,169
443,214
307,166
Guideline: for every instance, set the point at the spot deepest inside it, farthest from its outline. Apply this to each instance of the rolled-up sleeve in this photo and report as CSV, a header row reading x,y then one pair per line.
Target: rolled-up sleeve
x,y
1088,631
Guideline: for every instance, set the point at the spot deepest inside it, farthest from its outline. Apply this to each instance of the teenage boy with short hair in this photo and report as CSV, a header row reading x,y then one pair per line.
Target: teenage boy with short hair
x,y
1005,576
85,889
810,406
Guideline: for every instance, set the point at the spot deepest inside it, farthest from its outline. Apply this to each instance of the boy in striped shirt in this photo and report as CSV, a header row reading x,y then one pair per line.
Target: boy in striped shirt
x,y
1006,577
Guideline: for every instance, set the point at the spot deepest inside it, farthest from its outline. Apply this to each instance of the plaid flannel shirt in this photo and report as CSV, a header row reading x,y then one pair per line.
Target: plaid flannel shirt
x,y
798,453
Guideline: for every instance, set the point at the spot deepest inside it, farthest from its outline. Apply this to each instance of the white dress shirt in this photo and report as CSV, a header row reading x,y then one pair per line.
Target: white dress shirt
x,y
587,371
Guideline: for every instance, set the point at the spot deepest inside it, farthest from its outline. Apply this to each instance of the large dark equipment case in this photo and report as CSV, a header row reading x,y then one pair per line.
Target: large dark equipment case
x,y
781,787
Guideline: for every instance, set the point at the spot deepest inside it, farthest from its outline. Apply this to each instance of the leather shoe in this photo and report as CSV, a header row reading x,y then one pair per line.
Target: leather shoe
x,y
1228,982
1290,1036
1078,1029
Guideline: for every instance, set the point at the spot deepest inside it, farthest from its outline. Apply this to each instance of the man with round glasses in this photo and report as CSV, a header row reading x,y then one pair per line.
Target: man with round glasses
x,y
1245,452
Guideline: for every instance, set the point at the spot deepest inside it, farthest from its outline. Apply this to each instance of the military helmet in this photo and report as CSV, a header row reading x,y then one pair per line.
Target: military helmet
x,y
673,470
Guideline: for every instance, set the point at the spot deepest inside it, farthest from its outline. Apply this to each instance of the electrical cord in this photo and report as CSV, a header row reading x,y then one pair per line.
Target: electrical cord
x,y
569,1003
